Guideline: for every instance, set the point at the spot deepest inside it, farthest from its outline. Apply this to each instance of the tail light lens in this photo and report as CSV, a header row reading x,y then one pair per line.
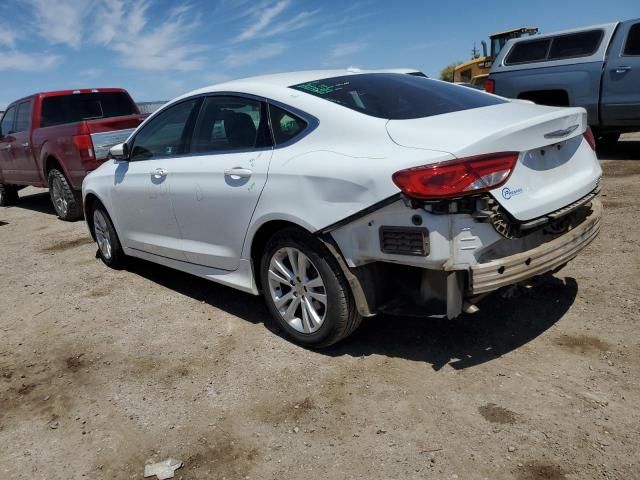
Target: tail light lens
x,y
85,146
490,85
466,176
591,140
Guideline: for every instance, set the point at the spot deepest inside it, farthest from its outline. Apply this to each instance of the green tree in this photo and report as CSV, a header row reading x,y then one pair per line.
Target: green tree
x,y
446,73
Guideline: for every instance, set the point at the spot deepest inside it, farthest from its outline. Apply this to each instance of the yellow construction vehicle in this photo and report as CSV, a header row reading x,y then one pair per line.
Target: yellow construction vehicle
x,y
476,70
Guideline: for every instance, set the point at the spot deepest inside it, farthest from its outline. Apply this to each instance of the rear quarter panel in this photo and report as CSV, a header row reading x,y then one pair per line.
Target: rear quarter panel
x,y
56,142
337,171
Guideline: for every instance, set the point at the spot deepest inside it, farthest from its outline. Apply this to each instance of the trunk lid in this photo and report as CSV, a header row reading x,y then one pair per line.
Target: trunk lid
x,y
556,165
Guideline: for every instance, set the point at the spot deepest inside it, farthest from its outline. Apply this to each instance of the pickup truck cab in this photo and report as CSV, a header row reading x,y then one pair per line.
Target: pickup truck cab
x,y
55,139
595,67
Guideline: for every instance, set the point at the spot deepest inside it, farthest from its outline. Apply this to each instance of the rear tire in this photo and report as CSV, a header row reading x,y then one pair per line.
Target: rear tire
x,y
306,291
109,247
66,201
8,195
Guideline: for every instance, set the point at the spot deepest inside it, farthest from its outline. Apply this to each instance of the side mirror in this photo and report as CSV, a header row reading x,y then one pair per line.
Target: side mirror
x,y
119,152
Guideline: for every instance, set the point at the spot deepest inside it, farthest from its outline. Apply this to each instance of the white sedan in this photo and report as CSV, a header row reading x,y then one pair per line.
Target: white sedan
x,y
341,194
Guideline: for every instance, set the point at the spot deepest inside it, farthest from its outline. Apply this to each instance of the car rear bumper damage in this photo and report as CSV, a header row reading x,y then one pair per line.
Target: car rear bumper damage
x,y
462,259
490,276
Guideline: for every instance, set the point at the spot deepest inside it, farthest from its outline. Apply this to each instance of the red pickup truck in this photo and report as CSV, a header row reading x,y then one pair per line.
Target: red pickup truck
x,y
55,139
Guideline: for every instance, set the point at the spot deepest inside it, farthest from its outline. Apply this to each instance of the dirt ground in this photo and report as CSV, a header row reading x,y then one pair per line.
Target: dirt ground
x,y
102,371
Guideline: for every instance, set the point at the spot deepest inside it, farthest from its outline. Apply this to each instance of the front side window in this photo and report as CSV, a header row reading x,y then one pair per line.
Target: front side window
x,y
23,119
285,126
581,44
632,47
6,127
529,51
166,134
397,96
229,123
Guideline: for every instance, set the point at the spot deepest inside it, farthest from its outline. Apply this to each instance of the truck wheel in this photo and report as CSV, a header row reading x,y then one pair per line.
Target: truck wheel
x,y
109,247
66,201
8,195
306,291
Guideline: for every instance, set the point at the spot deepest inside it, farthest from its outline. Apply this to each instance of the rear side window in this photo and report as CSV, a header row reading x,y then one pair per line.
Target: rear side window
x,y
6,126
85,106
580,44
285,126
527,52
632,47
23,119
397,96
230,123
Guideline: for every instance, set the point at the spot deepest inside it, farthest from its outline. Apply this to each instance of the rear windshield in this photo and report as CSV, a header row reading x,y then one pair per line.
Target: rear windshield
x,y
397,96
85,106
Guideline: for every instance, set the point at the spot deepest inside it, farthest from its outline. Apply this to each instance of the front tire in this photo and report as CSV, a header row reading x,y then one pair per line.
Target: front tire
x,y
109,247
66,201
8,195
306,291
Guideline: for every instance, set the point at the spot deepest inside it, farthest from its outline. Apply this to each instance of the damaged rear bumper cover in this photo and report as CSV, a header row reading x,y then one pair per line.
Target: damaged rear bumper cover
x,y
490,276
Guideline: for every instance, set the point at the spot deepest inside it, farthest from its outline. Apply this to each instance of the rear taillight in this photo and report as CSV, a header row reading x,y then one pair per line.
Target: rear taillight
x,y
490,85
591,140
85,146
458,177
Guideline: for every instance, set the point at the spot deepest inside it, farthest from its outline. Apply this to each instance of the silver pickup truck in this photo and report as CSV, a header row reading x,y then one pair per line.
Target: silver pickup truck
x,y
595,67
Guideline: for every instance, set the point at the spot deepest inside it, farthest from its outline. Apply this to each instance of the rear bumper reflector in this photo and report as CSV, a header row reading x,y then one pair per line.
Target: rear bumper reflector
x,y
486,277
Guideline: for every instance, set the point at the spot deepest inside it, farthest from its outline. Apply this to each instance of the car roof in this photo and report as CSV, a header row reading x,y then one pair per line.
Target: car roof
x,y
259,85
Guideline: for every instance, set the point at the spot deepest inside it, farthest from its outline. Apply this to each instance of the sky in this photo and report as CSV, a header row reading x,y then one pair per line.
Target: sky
x,y
159,49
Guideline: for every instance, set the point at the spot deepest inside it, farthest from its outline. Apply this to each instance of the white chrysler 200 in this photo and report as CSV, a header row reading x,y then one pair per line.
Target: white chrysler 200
x,y
342,194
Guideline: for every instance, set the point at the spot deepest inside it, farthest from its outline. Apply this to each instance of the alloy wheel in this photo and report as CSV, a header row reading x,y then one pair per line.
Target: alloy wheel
x,y
58,197
297,290
103,237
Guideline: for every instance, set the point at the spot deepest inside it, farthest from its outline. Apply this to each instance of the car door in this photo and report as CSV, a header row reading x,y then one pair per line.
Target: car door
x,y
141,195
23,161
218,185
6,145
621,83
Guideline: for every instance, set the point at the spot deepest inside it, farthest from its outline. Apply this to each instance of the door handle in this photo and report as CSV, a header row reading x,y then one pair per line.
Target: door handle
x,y
622,69
159,172
25,145
238,172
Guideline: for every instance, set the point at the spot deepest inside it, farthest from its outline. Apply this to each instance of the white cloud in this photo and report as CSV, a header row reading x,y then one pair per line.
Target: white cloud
x,y
8,37
213,78
268,50
108,20
296,23
91,72
263,19
61,22
342,50
27,62
163,45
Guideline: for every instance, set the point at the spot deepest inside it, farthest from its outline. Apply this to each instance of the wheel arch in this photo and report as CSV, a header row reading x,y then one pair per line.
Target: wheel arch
x,y
51,162
260,238
90,200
